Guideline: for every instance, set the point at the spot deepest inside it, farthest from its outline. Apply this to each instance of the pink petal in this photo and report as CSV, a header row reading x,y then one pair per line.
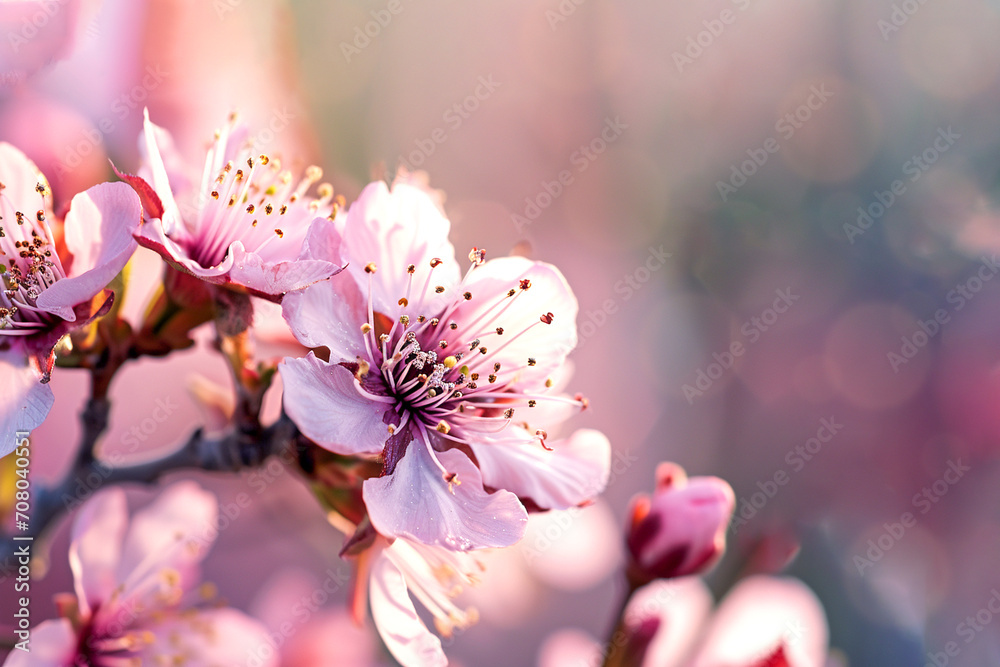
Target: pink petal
x,y
415,502
96,546
24,401
394,230
99,229
322,400
548,344
404,634
574,472
277,278
210,638
175,531
53,644
760,614
328,314
682,607
158,175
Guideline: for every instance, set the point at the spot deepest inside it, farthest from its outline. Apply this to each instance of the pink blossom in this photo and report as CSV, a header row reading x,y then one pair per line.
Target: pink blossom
x,y
448,377
681,530
247,224
47,295
137,597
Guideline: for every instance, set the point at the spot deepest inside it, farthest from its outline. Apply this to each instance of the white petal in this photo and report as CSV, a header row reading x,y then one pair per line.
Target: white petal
x,y
404,634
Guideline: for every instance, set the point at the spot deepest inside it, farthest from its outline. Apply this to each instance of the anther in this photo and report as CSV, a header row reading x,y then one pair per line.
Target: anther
x,y
508,413
403,302
467,296
370,267
366,329
547,318
525,284
442,427
499,331
439,289
531,361
436,263
411,269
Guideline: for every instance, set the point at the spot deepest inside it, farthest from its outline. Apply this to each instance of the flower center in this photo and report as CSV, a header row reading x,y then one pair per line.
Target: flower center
x,y
258,204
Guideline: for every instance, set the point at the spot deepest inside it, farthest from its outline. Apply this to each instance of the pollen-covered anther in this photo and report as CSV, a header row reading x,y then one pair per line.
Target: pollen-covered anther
x,y
443,344
439,289
492,378
264,159
548,383
512,292
525,284
547,318
250,208
392,429
404,320
582,400
474,377
532,403
496,367
280,234
477,256
370,267
450,361
411,269
40,215
453,326
508,413
443,427
268,209
325,190
532,361
366,329
314,173
383,338
482,350
363,368
436,263
403,302
467,296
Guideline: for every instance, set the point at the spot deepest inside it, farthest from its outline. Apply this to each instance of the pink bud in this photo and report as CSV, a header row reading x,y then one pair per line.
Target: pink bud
x,y
681,529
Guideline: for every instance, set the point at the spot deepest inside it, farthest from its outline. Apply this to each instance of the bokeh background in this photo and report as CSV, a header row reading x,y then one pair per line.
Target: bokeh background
x,y
702,173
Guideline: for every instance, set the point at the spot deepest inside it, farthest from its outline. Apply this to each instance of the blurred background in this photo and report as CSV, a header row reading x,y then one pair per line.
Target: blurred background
x,y
779,218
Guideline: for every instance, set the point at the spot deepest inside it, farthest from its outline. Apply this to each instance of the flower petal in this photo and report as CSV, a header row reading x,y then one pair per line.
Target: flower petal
x,y
404,634
322,400
575,471
96,547
53,644
416,502
328,314
393,230
149,144
174,532
276,278
548,344
99,229
760,614
24,401
19,176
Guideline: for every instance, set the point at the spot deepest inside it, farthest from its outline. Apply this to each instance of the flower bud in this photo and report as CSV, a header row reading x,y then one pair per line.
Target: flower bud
x,y
681,529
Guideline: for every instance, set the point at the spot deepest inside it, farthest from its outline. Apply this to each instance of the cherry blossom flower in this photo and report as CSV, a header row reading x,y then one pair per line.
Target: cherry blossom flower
x,y
48,292
448,378
681,530
247,225
137,597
